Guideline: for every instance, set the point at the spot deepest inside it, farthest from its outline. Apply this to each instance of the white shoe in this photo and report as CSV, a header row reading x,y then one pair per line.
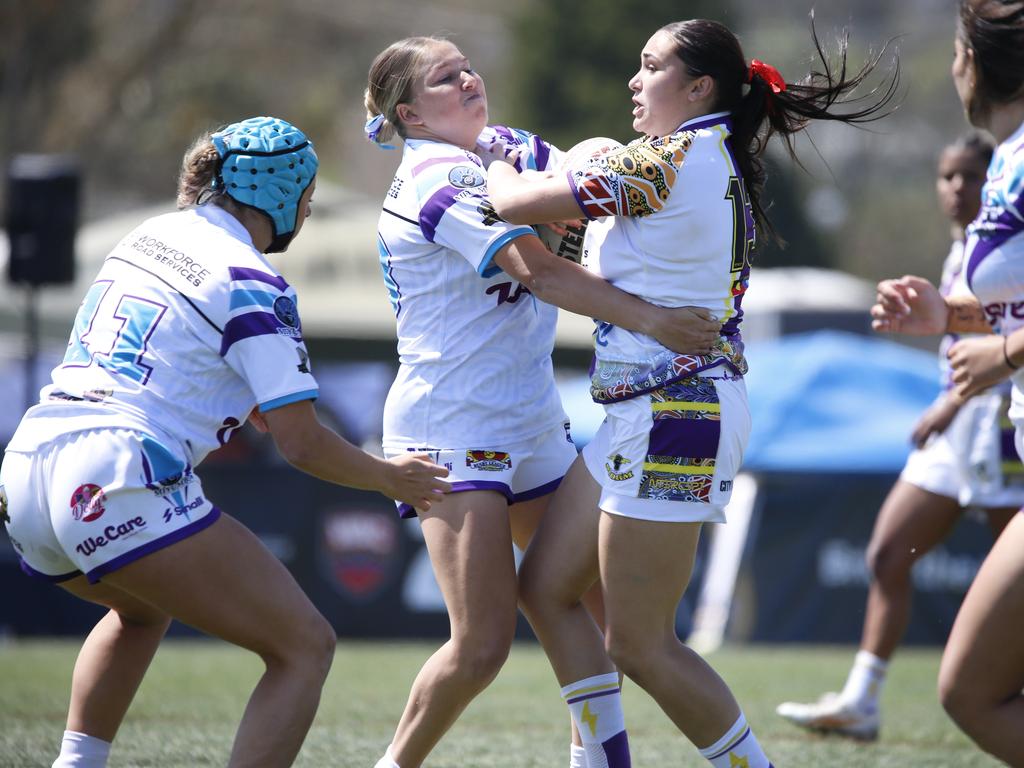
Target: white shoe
x,y
831,714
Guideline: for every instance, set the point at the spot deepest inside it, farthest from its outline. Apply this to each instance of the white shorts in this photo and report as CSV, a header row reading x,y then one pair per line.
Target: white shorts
x,y
672,454
519,471
92,502
974,460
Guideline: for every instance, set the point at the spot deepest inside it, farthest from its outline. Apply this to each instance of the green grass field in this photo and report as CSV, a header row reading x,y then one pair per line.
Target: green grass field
x,y
187,709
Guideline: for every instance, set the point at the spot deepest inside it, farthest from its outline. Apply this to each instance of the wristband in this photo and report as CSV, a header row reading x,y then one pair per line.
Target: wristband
x,y
1006,355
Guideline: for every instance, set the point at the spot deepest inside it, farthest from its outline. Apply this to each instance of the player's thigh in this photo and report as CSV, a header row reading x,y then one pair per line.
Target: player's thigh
x,y
645,569
984,658
225,582
129,607
913,520
470,545
562,558
524,518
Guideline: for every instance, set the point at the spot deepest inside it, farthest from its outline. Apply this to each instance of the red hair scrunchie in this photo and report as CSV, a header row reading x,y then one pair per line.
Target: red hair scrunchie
x,y
768,73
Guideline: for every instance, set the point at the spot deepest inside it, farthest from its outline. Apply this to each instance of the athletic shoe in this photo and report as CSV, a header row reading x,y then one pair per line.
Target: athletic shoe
x,y
830,714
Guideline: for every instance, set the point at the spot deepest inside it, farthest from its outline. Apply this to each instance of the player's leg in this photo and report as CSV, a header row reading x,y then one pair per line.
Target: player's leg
x,y
982,671
470,546
224,582
113,659
911,522
645,568
561,565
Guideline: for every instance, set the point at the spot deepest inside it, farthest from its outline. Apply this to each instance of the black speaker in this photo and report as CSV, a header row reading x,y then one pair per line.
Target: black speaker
x,y
42,216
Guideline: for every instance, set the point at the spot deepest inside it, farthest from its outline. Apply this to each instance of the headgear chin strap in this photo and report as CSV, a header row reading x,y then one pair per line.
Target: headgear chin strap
x,y
267,164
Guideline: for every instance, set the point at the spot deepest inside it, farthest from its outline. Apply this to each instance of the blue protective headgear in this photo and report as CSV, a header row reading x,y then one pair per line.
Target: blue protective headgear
x,y
266,164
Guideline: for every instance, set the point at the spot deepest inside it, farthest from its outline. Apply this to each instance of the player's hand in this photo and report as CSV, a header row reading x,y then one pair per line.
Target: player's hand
x,y
258,421
414,479
687,330
909,304
977,364
935,420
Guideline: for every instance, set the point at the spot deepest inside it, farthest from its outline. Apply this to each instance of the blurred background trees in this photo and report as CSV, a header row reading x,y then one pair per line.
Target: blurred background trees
x,y
126,84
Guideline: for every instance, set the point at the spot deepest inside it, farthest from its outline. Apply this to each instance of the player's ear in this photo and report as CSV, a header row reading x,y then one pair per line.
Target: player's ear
x,y
408,115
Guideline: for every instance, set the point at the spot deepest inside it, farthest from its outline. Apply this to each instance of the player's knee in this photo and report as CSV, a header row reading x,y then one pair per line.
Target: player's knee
x,y
957,699
629,651
887,562
479,660
308,650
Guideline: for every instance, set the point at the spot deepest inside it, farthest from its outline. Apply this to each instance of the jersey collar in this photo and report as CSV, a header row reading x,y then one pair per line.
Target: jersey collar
x,y
221,218
705,121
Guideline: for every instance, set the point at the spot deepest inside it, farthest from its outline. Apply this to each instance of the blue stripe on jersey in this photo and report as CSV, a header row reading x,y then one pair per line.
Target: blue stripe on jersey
x,y
394,289
487,267
243,273
248,325
277,402
246,297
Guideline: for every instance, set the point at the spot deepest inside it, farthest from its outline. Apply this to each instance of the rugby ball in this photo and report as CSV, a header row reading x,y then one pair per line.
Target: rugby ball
x,y
569,245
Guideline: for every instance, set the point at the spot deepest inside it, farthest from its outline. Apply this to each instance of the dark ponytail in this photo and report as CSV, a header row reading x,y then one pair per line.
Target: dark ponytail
x,y
710,48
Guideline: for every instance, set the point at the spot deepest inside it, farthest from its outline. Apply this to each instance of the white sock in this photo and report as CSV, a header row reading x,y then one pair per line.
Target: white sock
x,y
577,757
596,707
737,747
387,761
79,750
864,685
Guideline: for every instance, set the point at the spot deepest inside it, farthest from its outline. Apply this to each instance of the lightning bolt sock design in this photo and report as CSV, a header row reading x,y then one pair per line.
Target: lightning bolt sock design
x,y
596,707
738,748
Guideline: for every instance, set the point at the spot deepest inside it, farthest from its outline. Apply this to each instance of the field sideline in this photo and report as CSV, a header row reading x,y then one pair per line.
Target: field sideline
x,y
187,709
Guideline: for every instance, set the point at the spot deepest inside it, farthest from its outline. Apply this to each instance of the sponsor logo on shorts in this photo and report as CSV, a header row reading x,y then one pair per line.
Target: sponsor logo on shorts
x,y
169,485
488,461
568,432
303,366
183,509
87,503
614,466
111,533
725,486
4,517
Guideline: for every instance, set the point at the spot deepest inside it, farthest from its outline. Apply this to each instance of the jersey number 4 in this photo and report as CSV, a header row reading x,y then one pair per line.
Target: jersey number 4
x,y
112,331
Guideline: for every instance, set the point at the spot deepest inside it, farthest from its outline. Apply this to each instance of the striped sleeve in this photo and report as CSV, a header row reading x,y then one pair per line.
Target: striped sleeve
x,y
262,339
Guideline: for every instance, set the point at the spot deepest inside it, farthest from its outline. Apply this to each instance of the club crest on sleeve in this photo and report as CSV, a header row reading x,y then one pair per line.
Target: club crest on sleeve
x,y
286,311
465,177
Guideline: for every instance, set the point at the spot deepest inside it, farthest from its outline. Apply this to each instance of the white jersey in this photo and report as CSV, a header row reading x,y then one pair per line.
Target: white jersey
x,y
995,250
673,226
185,329
474,345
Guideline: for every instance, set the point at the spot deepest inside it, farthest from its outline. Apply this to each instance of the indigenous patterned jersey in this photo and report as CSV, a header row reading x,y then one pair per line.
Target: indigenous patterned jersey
x,y
185,329
674,227
995,249
474,345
